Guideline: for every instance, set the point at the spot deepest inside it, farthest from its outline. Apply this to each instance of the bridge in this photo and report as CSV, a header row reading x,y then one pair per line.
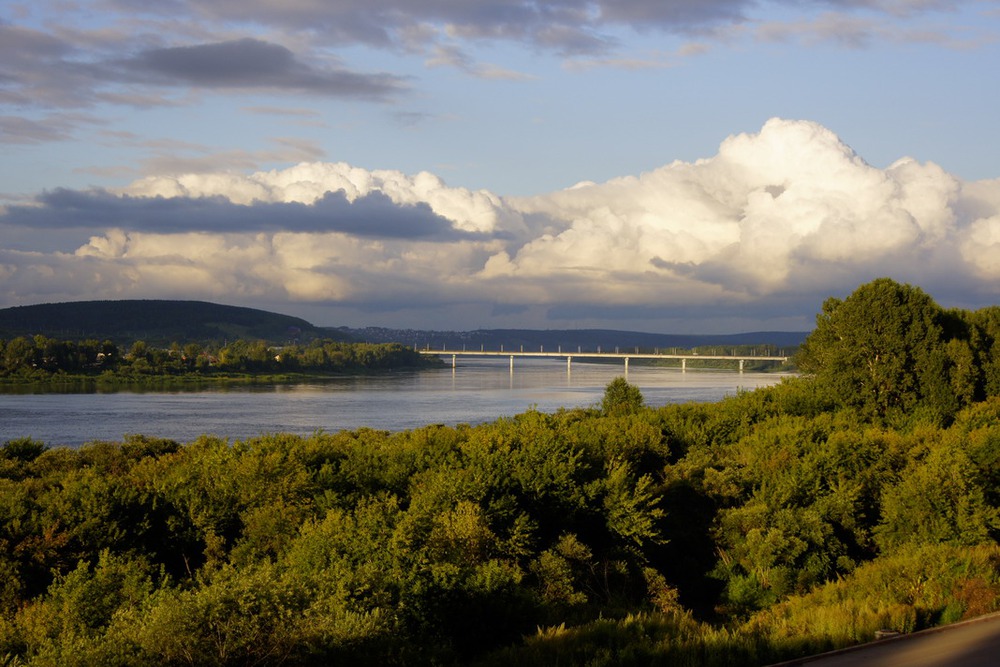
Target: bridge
x,y
579,354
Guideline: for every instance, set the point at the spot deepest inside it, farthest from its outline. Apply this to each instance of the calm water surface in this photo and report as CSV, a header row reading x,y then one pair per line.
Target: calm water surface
x,y
475,392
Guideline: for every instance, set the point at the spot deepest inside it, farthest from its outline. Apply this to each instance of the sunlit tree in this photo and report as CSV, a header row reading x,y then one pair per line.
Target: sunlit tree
x,y
883,350
621,398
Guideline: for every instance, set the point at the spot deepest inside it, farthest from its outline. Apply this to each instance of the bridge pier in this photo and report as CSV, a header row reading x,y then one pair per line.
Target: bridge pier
x,y
454,360
569,365
626,366
512,364
741,365
684,365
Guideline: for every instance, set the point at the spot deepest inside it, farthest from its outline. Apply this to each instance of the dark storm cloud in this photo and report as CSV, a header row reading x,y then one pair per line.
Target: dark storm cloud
x,y
767,307
253,63
585,311
374,215
506,309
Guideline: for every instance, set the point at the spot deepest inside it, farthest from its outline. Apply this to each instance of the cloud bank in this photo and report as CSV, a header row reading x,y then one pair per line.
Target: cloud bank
x,y
753,237
142,55
251,64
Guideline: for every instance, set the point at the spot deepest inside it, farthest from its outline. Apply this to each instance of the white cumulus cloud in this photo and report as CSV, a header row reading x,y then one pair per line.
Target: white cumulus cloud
x,y
784,207
472,211
764,230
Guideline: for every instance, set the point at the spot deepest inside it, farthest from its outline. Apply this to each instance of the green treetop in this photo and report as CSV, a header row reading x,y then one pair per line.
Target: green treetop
x,y
888,349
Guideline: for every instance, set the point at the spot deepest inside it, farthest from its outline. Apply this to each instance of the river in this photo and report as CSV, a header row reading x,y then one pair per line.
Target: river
x,y
477,391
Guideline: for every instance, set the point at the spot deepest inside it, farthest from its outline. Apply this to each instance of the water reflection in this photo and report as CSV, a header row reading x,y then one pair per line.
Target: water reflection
x,y
477,390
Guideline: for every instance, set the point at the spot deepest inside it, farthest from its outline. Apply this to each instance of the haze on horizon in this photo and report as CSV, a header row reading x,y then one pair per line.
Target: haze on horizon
x,y
676,167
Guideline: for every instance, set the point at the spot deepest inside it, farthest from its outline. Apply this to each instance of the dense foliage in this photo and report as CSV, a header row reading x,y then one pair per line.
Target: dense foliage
x,y
45,359
773,524
888,351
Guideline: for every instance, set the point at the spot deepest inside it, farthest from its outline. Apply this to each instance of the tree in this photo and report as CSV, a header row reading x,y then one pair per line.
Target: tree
x,y
621,398
938,500
883,351
22,449
985,330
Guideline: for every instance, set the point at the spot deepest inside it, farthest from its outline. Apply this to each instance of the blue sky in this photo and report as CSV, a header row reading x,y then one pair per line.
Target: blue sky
x,y
417,164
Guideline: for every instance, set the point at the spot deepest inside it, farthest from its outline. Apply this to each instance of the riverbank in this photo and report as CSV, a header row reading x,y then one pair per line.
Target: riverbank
x,y
43,362
60,383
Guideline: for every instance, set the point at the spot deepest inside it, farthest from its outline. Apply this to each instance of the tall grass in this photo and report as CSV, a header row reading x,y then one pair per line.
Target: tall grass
x,y
911,590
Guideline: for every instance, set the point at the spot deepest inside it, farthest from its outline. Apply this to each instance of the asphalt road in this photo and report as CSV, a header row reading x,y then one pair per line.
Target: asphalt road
x,y
974,643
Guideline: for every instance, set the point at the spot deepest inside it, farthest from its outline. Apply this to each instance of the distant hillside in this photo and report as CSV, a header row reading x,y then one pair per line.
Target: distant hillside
x,y
165,321
154,321
568,339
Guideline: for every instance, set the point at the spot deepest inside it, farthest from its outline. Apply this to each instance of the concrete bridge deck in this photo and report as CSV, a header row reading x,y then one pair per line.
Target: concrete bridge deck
x,y
569,355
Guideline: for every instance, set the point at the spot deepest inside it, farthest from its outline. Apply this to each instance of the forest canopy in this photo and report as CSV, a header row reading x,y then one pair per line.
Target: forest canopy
x,y
888,350
42,359
861,496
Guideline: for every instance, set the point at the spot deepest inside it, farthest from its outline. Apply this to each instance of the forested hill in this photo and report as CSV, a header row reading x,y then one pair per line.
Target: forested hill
x,y
568,339
167,321
153,321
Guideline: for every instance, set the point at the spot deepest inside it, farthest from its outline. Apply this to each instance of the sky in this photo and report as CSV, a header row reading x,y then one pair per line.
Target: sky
x,y
671,166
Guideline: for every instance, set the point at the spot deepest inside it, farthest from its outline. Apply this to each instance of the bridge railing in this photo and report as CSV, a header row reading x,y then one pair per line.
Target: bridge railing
x,y
719,351
741,359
